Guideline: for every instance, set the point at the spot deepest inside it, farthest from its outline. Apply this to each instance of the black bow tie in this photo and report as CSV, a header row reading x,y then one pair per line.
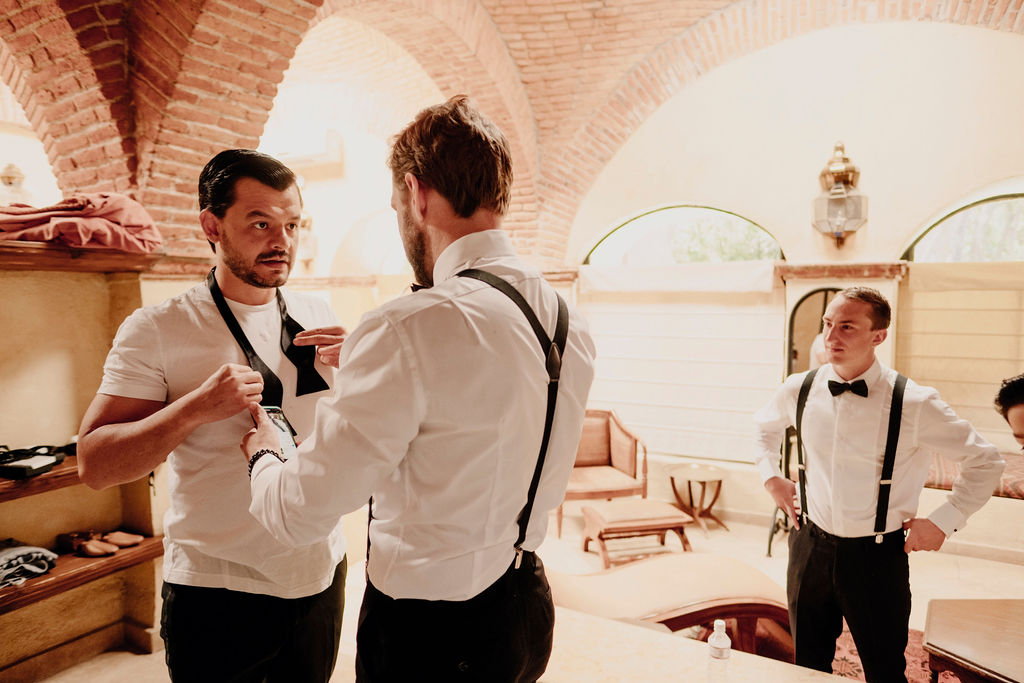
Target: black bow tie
x,y
859,387
307,379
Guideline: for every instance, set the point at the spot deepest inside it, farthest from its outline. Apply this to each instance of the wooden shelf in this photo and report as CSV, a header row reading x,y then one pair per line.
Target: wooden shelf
x,y
73,571
63,474
18,255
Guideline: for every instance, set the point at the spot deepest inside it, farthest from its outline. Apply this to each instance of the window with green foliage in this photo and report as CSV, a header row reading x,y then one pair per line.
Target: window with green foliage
x,y
684,234
988,230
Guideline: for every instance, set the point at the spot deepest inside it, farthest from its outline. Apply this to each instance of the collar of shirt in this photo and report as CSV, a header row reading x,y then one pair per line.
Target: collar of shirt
x,y
870,376
468,249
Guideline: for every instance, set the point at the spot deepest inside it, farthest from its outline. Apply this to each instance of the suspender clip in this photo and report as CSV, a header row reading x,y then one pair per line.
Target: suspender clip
x,y
878,538
519,557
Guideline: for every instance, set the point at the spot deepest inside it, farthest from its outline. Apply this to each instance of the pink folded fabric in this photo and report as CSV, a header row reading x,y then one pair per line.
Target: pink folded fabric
x,y
104,219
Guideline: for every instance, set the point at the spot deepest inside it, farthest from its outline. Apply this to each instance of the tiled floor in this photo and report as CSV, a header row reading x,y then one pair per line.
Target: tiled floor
x,y
933,575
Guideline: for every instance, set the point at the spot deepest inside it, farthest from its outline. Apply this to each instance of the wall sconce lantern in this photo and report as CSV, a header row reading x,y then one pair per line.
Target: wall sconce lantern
x,y
840,209
11,176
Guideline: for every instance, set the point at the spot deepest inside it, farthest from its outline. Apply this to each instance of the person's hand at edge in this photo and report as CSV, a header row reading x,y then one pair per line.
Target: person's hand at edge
x,y
262,436
327,340
922,534
783,492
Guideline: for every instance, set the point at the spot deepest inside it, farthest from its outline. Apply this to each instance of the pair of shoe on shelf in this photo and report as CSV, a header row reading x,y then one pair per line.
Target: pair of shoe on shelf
x,y
96,543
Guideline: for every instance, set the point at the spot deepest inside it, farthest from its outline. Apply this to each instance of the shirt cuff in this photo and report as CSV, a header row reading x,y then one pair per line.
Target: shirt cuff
x,y
948,518
263,463
768,470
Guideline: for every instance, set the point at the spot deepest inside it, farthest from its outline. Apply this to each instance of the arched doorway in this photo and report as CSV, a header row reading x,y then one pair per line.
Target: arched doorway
x,y
805,325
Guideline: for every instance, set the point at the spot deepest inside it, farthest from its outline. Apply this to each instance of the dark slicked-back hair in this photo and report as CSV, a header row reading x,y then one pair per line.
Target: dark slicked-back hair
x,y
217,181
881,313
1011,393
456,150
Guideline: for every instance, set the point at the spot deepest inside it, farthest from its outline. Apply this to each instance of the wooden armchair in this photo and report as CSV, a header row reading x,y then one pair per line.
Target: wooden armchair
x,y
611,461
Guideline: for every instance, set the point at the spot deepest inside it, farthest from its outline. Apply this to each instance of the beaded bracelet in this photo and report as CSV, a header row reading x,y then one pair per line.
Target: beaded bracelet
x,y
259,454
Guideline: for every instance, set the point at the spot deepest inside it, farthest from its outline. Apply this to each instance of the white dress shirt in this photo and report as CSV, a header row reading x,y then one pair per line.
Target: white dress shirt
x,y
844,443
438,412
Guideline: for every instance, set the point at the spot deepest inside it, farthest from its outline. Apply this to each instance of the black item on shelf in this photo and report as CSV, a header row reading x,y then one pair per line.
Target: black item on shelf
x,y
22,463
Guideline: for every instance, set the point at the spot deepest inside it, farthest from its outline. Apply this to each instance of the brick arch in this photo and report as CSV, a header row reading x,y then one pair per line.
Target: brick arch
x,y
66,67
460,49
735,31
199,88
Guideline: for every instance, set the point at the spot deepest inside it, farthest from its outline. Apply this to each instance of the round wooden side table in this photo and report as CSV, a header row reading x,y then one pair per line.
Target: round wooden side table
x,y
703,475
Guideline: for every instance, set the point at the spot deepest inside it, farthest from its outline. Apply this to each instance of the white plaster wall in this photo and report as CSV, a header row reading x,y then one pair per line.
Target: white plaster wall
x,y
929,112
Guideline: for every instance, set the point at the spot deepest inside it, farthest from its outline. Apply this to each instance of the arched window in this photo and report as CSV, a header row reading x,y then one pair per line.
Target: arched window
x,y
26,176
991,229
684,234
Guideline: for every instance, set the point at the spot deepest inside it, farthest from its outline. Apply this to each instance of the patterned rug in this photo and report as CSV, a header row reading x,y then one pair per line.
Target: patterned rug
x,y
847,663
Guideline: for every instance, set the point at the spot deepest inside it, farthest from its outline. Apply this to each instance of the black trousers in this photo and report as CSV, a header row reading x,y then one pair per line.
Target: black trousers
x,y
216,635
502,634
867,583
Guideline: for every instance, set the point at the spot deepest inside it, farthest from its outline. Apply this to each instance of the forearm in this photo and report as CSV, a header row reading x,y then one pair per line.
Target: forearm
x,y
767,449
981,465
300,501
978,478
770,425
121,452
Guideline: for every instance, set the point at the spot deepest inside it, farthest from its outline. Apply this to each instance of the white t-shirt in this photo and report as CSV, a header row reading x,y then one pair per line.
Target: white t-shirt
x,y
163,352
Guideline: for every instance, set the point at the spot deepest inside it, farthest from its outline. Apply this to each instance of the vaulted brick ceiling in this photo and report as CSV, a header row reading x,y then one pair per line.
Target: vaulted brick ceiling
x,y
135,96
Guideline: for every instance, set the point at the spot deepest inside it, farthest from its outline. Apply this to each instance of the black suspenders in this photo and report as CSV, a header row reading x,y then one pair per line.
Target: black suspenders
x,y
895,415
801,401
888,461
553,349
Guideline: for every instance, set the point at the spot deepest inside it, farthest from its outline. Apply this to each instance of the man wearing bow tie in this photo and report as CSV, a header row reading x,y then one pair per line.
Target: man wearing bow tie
x,y
237,604
861,474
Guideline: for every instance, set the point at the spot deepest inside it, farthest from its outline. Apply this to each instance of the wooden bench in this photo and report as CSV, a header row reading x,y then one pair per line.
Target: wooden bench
x,y
683,590
632,517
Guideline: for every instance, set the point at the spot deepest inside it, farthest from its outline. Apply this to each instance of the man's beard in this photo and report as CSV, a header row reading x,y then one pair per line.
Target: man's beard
x,y
415,243
417,254
247,272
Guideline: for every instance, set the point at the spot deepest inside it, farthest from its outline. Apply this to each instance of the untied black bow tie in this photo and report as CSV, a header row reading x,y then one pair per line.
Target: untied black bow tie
x,y
307,379
859,387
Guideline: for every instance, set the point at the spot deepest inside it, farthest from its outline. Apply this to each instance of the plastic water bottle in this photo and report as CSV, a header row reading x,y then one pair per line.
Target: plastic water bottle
x,y
719,649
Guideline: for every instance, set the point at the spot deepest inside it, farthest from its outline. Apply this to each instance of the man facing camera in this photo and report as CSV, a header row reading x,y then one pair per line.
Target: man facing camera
x,y
862,467
237,604
458,413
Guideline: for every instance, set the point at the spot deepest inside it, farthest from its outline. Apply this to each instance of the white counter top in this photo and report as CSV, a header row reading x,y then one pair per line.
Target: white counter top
x,y
598,650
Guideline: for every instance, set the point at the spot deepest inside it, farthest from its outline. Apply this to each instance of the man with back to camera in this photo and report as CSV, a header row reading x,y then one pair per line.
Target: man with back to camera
x,y
237,604
848,554
440,413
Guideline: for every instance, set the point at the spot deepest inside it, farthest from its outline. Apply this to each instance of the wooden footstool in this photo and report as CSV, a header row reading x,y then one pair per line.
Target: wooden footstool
x,y
632,517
